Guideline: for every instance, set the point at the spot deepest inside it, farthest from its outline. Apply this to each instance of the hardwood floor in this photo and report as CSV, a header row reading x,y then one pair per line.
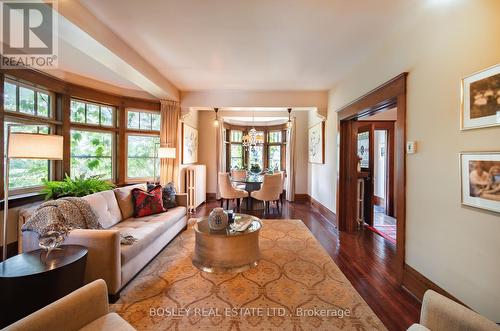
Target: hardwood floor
x,y
365,258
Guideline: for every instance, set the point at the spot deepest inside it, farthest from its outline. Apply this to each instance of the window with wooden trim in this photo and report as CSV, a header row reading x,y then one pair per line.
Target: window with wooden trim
x,y
27,109
236,149
143,120
142,162
142,148
92,113
92,154
24,99
274,150
27,174
269,155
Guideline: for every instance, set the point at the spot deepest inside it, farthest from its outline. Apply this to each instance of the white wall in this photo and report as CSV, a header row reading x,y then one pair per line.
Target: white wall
x,y
454,246
190,118
207,144
322,179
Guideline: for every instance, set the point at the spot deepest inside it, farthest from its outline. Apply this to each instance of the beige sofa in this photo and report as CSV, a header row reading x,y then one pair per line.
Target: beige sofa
x,y
107,259
442,314
85,309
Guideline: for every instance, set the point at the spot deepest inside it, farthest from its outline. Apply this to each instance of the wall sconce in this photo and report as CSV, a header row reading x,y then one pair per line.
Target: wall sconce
x,y
216,120
289,123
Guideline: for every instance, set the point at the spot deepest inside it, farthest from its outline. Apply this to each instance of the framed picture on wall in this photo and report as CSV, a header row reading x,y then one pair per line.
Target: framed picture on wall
x,y
316,145
481,99
480,173
189,144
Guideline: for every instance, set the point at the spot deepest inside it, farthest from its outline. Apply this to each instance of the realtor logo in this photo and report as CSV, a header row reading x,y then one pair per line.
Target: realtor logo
x,y
28,34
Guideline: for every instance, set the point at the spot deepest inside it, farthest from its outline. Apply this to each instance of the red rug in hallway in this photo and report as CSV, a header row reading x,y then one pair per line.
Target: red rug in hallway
x,y
386,231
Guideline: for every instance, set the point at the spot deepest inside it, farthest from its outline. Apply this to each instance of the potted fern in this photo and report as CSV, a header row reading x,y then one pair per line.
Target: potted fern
x,y
75,187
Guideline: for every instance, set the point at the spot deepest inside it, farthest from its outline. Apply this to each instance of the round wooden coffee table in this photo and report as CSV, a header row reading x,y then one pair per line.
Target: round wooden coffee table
x,y
226,251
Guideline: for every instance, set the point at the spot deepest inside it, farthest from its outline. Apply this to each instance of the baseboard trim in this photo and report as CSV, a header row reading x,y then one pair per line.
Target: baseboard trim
x,y
326,212
416,283
211,196
302,197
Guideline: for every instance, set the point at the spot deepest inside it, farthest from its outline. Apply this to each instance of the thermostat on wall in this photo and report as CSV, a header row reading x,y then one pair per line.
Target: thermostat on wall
x,y
411,147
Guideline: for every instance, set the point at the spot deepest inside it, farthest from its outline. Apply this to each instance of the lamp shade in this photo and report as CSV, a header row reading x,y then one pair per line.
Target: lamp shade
x,y
35,146
166,153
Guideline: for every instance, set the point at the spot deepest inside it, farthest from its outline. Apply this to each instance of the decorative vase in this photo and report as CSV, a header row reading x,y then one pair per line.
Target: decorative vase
x,y
51,241
217,220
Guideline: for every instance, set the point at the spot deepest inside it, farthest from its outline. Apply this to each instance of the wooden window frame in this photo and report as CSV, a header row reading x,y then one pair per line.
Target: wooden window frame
x,y
137,133
61,93
266,144
29,119
100,125
140,129
36,91
12,117
114,139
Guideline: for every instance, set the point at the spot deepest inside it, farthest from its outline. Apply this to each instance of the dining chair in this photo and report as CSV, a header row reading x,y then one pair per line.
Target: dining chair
x,y
269,191
282,192
228,192
239,174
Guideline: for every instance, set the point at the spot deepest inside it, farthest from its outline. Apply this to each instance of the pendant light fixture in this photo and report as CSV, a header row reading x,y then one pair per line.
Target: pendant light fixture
x,y
289,123
253,138
216,120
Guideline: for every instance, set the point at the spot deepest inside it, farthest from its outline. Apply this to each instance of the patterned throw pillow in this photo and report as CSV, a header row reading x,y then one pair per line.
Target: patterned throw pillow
x,y
169,196
147,203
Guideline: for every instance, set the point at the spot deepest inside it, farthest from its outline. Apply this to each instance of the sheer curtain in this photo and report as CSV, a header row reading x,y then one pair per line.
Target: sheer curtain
x,y
169,133
220,152
290,162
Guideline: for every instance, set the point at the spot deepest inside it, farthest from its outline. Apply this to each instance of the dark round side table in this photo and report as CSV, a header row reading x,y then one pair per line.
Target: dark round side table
x,y
32,280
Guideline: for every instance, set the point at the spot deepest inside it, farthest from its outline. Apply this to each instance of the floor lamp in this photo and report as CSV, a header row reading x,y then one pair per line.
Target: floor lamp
x,y
162,153
26,146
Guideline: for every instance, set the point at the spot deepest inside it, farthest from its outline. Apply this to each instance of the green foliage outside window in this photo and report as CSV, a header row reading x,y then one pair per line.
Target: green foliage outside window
x,y
91,154
141,151
26,100
142,120
275,157
25,173
91,113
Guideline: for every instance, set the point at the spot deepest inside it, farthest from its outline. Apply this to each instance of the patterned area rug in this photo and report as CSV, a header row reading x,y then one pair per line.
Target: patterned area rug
x,y
296,286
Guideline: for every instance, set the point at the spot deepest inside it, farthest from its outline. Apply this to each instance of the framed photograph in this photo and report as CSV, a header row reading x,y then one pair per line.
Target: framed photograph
x,y
189,144
481,99
480,172
317,143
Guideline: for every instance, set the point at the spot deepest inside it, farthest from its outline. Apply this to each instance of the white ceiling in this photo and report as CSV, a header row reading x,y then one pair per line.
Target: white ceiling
x,y
257,44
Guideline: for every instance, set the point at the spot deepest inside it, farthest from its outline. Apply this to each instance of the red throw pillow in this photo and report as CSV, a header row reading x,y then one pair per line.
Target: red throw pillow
x,y
147,203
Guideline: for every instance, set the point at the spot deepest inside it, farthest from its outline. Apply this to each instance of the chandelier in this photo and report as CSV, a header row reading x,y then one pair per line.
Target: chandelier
x,y
253,138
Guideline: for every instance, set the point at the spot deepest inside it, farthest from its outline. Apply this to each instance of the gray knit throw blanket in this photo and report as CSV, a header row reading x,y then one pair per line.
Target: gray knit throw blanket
x,y
65,214
62,216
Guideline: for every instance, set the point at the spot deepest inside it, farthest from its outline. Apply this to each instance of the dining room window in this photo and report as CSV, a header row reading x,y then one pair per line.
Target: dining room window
x,y
267,155
274,150
236,154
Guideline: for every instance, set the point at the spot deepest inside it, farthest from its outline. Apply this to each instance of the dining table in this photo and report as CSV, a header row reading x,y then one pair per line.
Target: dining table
x,y
252,183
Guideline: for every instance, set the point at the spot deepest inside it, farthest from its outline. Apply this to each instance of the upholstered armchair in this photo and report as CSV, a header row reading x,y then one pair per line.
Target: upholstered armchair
x,y
228,192
84,309
440,313
270,190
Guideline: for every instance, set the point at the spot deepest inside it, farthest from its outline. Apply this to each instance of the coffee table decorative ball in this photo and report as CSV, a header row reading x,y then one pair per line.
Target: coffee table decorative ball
x,y
217,220
227,250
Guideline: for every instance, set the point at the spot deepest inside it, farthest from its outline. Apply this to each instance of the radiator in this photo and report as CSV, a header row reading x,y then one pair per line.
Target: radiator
x,y
195,178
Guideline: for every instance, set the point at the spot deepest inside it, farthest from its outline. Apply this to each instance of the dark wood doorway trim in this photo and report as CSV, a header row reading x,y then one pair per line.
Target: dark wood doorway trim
x,y
389,95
